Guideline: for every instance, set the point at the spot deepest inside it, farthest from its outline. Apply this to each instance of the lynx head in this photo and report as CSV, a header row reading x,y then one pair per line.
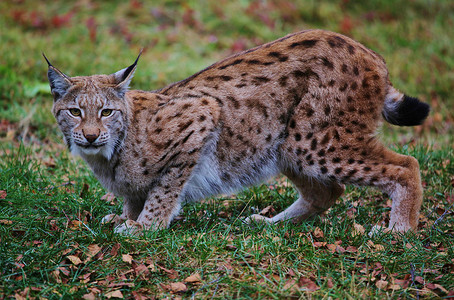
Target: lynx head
x,y
92,111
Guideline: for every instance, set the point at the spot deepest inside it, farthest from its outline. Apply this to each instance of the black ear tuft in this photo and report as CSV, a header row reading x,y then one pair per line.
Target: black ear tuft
x,y
131,67
58,81
124,76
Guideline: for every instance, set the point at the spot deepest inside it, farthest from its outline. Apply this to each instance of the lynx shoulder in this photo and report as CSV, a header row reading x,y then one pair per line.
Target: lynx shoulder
x,y
306,105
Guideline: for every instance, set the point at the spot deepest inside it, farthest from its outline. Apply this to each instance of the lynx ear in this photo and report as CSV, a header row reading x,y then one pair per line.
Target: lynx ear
x,y
59,82
123,77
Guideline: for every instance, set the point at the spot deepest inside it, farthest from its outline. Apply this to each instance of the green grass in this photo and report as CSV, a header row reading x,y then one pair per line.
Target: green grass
x,y
51,206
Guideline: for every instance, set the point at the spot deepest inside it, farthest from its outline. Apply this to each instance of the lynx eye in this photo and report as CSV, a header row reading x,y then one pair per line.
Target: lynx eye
x,y
75,112
106,112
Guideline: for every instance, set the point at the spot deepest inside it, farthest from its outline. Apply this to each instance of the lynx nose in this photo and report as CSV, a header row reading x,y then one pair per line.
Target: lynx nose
x,y
90,136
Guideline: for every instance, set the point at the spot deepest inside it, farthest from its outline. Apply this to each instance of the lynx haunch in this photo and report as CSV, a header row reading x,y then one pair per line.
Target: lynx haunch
x,y
306,105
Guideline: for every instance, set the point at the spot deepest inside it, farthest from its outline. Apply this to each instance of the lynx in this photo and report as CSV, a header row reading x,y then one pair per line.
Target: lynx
x,y
306,105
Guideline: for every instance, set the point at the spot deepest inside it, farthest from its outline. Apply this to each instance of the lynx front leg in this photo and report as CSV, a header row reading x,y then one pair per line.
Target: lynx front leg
x,y
131,209
163,203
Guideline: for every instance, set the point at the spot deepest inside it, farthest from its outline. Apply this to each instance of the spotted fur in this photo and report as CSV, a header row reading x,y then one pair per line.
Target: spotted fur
x,y
306,105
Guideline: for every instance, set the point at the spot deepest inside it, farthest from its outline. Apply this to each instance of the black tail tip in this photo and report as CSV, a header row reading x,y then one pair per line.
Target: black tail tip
x,y
410,112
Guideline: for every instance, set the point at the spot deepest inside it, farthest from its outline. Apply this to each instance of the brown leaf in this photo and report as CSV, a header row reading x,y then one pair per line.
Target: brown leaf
x,y
115,248
6,222
114,294
89,296
127,258
178,287
2,194
308,284
267,211
358,229
93,249
172,274
74,259
194,278
109,197
318,233
319,244
381,284
291,285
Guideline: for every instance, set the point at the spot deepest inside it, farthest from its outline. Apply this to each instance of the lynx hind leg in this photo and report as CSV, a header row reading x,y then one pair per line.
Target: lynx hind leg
x,y
394,174
314,198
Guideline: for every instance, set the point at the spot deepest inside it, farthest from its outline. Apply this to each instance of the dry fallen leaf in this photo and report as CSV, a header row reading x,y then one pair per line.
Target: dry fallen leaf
x,y
178,287
194,278
358,229
93,249
2,194
74,259
114,294
6,222
382,284
318,233
127,258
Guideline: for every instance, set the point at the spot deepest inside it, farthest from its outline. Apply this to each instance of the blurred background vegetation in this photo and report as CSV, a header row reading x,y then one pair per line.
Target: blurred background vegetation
x,y
86,37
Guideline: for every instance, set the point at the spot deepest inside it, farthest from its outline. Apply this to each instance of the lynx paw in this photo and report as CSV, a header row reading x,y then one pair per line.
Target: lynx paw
x,y
129,227
257,218
377,229
112,218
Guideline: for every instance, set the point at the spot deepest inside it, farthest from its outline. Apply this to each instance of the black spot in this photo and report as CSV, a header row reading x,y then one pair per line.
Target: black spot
x,y
305,44
344,68
343,87
322,161
336,160
355,70
144,162
297,137
253,62
283,81
337,170
321,153
225,77
351,160
327,110
314,144
309,112
261,79
367,169
292,123
364,83
202,118
309,156
331,149
158,130
311,162
240,85
331,82
187,137
269,137
145,172
360,162
351,49
235,62
204,102
309,135
235,102
324,170
327,63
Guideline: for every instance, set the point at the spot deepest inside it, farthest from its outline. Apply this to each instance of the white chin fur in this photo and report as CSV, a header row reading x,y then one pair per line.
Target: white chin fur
x,y
104,151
